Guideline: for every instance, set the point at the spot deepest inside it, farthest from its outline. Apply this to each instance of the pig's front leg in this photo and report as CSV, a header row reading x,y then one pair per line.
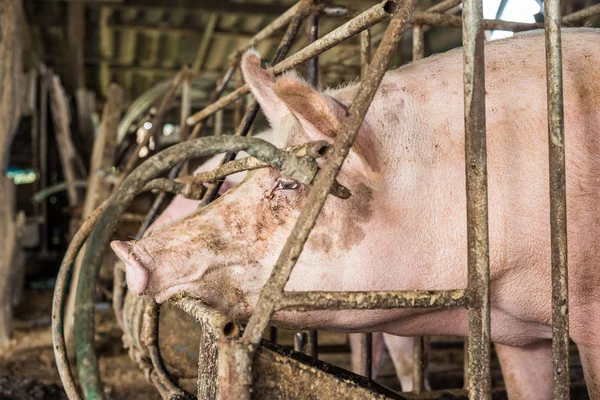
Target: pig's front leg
x,y
527,370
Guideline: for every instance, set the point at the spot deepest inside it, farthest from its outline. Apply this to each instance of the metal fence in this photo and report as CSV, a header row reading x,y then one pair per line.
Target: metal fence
x,y
221,342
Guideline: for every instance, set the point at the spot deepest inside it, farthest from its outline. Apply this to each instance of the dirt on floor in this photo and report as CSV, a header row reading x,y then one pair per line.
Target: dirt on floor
x,y
27,368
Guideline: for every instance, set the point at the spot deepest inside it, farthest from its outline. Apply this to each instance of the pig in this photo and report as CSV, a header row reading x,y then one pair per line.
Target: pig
x,y
404,227
400,347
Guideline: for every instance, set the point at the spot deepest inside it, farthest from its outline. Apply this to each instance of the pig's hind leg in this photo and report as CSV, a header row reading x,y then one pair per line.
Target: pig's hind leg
x,y
527,370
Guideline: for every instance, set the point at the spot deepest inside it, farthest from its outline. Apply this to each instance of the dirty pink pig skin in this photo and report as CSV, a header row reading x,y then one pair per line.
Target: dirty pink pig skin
x,y
400,348
404,227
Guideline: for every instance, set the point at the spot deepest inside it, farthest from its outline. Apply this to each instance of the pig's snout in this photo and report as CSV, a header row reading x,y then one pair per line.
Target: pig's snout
x,y
136,273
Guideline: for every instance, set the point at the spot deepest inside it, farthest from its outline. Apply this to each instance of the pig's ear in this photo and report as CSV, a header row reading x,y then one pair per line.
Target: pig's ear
x,y
320,115
261,82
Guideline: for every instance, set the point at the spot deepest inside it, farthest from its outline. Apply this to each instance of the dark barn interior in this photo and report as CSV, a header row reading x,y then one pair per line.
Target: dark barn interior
x,y
108,108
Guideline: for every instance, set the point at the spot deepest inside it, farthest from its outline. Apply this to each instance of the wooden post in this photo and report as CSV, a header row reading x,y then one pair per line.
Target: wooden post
x,y
11,50
62,132
98,188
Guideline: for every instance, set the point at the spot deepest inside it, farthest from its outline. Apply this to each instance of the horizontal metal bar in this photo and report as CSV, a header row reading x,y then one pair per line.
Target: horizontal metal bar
x,y
445,20
380,300
580,15
364,20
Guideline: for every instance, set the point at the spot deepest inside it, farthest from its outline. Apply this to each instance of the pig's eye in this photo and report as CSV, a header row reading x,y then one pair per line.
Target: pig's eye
x,y
286,185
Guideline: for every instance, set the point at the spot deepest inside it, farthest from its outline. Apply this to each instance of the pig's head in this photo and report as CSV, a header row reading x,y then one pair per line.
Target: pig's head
x,y
224,253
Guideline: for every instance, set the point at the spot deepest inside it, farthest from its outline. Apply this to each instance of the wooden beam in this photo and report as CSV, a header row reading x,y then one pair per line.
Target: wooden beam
x,y
11,55
98,189
207,37
62,132
221,6
76,39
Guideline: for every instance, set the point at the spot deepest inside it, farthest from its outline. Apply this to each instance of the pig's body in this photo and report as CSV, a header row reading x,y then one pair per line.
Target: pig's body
x,y
405,225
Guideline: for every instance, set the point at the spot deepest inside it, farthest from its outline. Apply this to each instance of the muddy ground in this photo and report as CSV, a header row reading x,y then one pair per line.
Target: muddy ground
x,y
27,368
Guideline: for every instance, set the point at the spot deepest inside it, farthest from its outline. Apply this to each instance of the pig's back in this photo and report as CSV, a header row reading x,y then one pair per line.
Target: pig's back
x,y
421,111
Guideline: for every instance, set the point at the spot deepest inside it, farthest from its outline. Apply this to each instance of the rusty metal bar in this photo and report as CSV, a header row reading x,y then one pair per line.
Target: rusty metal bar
x,y
215,326
442,20
558,200
312,77
477,201
272,291
580,15
366,339
300,342
419,363
365,51
418,48
312,65
418,371
150,333
380,300
365,20
366,355
444,6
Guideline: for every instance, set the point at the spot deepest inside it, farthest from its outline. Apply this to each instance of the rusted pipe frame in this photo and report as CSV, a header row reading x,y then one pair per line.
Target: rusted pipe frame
x,y
378,300
235,364
150,332
298,168
215,326
477,201
444,6
156,120
558,200
243,129
351,28
577,16
272,291
61,289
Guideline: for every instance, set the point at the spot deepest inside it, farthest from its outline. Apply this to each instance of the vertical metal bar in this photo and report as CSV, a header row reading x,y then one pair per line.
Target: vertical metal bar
x,y
312,65
312,77
366,339
418,372
558,200
365,51
186,110
300,339
366,355
477,207
418,369
418,50
44,83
